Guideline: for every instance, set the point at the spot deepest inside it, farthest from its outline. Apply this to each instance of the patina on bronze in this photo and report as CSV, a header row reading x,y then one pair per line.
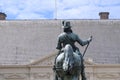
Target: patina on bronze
x,y
68,63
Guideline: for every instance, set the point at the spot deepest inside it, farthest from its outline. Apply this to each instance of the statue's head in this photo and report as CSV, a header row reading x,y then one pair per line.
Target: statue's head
x,y
66,24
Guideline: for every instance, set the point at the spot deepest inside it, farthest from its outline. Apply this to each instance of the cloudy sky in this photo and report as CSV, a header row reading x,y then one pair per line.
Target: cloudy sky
x,y
60,9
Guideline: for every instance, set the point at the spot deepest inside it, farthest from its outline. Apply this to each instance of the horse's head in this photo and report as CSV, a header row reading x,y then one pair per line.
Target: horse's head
x,y
69,60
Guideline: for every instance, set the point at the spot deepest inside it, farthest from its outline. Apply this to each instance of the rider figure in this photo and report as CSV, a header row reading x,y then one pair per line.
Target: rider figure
x,y
68,37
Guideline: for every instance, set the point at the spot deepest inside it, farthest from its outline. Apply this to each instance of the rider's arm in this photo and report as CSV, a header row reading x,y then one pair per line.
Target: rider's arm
x,y
59,45
81,42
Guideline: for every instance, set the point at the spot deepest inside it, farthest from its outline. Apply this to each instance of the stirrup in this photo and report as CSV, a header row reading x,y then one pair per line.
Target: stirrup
x,y
54,67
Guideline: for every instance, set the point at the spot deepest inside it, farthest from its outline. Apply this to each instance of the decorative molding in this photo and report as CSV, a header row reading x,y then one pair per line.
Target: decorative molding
x,y
41,76
89,62
45,61
49,61
107,75
14,76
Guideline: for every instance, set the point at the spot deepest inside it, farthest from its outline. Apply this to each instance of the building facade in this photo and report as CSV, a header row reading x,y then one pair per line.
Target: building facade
x,y
27,48
42,70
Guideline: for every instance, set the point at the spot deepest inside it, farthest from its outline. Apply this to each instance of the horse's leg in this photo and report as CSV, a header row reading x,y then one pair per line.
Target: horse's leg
x,y
75,77
60,78
55,76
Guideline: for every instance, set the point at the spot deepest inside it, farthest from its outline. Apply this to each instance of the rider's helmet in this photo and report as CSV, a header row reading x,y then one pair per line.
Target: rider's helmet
x,y
66,24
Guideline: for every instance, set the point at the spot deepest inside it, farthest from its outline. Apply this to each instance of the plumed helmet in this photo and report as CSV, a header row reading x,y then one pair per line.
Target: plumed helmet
x,y
66,24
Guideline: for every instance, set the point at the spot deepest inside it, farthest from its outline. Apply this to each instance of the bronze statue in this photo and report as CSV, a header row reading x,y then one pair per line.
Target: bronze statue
x,y
69,61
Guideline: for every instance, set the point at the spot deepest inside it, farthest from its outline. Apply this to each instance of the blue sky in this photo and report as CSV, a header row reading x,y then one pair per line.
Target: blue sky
x,y
64,9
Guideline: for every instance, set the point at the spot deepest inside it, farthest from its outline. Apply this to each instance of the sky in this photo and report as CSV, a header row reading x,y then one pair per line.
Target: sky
x,y
59,9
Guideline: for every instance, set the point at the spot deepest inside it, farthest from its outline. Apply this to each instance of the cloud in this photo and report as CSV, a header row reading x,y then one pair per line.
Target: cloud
x,y
29,16
27,8
79,13
88,9
72,3
109,3
66,9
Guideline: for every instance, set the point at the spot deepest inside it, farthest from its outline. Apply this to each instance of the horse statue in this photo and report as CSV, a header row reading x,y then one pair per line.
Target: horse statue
x,y
68,65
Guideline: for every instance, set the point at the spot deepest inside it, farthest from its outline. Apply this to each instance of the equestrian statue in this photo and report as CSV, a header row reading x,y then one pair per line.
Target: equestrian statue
x,y
69,62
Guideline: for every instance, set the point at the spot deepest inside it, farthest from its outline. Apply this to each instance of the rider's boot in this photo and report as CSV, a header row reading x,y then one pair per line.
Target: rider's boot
x,y
55,59
83,71
83,75
82,67
55,77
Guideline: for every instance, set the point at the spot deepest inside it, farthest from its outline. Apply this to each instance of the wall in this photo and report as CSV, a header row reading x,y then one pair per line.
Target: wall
x,y
42,70
24,40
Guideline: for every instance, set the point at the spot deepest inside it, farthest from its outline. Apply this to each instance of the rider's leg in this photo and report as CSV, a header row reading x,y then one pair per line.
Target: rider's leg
x,y
83,69
55,60
82,65
57,56
55,77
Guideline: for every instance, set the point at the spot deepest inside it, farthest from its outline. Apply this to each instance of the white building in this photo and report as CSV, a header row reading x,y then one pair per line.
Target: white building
x,y
27,48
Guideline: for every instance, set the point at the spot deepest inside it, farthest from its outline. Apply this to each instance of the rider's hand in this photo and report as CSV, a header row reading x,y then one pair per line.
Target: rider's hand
x,y
90,39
